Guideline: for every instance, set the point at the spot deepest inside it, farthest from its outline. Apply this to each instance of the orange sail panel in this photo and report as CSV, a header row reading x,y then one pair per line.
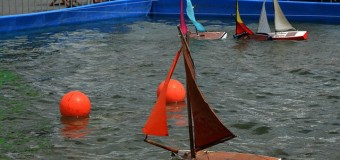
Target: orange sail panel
x,y
183,26
208,129
241,28
156,124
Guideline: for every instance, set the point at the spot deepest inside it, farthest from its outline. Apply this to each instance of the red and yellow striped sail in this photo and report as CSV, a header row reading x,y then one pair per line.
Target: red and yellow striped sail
x,y
241,28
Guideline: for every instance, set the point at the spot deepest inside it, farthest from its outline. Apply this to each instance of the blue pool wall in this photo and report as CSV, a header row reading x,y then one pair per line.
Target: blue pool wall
x,y
318,12
94,12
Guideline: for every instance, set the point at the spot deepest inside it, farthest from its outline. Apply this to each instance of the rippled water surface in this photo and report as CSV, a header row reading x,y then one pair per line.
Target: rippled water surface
x,y
281,98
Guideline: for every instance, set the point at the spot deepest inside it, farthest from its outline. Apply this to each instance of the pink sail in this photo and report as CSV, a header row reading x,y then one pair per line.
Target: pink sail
x,y
182,25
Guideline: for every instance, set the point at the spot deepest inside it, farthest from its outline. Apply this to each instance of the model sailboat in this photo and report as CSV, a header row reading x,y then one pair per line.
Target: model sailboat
x,y
201,32
205,128
283,29
243,32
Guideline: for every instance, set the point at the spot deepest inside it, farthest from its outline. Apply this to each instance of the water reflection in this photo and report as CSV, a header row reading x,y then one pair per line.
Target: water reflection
x,y
177,113
74,127
241,45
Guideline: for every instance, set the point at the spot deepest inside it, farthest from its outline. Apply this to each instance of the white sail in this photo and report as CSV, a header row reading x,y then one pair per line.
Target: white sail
x,y
281,22
263,22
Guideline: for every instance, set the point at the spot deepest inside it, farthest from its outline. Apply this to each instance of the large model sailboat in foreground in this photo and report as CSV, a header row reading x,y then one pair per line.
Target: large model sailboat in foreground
x,y
205,128
201,32
283,29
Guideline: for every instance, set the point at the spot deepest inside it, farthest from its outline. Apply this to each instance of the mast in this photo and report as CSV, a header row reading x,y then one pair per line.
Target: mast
x,y
208,130
190,120
191,132
238,18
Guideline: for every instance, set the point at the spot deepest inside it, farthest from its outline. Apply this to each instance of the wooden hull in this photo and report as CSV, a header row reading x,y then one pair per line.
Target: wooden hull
x,y
231,156
256,37
209,35
260,37
210,155
289,35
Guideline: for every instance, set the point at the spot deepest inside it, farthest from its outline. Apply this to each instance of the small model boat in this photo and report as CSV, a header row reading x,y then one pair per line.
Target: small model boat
x,y
243,32
201,33
283,29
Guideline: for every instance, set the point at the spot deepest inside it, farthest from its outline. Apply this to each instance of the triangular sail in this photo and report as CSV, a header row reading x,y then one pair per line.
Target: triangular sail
x,y
183,26
157,124
263,22
208,129
241,28
281,22
191,14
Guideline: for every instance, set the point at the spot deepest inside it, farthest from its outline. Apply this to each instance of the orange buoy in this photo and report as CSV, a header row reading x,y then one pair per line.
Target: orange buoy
x,y
75,104
175,92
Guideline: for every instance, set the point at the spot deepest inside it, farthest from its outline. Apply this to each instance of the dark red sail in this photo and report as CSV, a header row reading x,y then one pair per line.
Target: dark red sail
x,y
208,129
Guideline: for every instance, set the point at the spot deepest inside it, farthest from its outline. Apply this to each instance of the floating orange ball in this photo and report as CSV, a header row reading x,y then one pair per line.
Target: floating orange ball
x,y
175,92
75,104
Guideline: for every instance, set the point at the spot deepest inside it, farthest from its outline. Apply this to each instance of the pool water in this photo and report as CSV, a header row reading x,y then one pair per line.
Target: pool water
x,y
281,98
